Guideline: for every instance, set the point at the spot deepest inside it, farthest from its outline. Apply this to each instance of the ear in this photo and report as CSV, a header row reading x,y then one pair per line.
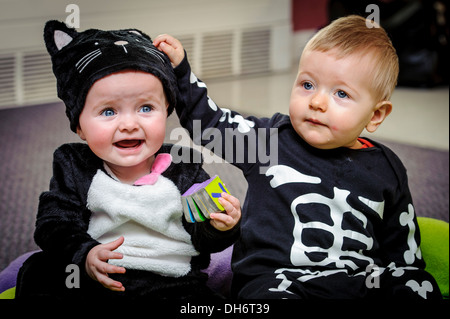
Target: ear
x,y
57,35
140,33
382,110
80,133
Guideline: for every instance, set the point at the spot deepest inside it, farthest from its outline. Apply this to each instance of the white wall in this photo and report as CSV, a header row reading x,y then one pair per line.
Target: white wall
x,y
25,70
22,21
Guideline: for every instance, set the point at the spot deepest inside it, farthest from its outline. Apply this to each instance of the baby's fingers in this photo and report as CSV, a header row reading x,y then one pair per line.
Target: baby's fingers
x,y
113,245
231,204
222,221
171,47
106,268
101,275
110,283
170,40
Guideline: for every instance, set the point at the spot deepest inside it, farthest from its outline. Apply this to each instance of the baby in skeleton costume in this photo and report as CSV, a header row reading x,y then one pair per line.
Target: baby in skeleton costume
x,y
328,214
114,205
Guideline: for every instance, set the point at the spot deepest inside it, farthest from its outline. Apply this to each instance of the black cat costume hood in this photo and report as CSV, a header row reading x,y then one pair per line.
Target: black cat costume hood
x,y
81,58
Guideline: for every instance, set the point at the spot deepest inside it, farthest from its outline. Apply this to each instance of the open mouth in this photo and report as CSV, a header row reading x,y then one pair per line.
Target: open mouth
x,y
127,144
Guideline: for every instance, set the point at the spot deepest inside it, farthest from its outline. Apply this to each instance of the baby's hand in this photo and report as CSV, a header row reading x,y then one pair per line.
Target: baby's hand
x,y
170,46
232,207
98,268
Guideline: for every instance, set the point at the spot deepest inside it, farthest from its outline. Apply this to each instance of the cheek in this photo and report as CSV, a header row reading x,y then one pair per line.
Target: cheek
x,y
156,131
99,138
295,108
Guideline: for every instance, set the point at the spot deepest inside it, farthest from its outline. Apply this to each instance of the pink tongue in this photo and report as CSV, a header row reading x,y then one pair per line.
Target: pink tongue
x,y
128,143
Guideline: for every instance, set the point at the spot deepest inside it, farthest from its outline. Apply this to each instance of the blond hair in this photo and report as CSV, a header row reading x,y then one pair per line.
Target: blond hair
x,y
350,35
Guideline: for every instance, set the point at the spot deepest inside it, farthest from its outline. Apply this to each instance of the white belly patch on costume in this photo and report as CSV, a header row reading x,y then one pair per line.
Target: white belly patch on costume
x,y
150,219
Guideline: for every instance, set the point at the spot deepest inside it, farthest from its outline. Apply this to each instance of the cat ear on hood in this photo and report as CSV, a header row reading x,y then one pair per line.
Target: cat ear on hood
x,y
57,35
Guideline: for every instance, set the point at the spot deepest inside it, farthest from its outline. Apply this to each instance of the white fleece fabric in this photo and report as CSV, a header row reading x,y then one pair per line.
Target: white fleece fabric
x,y
150,219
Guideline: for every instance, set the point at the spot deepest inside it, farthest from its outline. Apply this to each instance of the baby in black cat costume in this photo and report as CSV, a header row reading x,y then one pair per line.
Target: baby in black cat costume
x,y
104,212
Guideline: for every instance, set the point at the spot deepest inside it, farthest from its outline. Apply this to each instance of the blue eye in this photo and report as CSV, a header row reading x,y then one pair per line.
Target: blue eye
x,y
307,86
146,109
341,94
108,112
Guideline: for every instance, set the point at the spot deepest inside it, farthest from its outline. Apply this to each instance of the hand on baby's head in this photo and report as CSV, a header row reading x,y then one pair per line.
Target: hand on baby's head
x,y
171,47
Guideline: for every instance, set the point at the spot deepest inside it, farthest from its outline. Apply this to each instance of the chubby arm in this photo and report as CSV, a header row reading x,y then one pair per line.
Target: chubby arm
x,y
63,218
241,141
399,242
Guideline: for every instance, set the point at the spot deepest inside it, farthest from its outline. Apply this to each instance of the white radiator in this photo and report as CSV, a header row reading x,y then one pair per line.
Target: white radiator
x,y
26,77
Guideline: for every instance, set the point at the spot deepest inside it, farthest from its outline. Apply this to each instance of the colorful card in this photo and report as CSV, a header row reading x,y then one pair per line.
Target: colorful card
x,y
201,199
